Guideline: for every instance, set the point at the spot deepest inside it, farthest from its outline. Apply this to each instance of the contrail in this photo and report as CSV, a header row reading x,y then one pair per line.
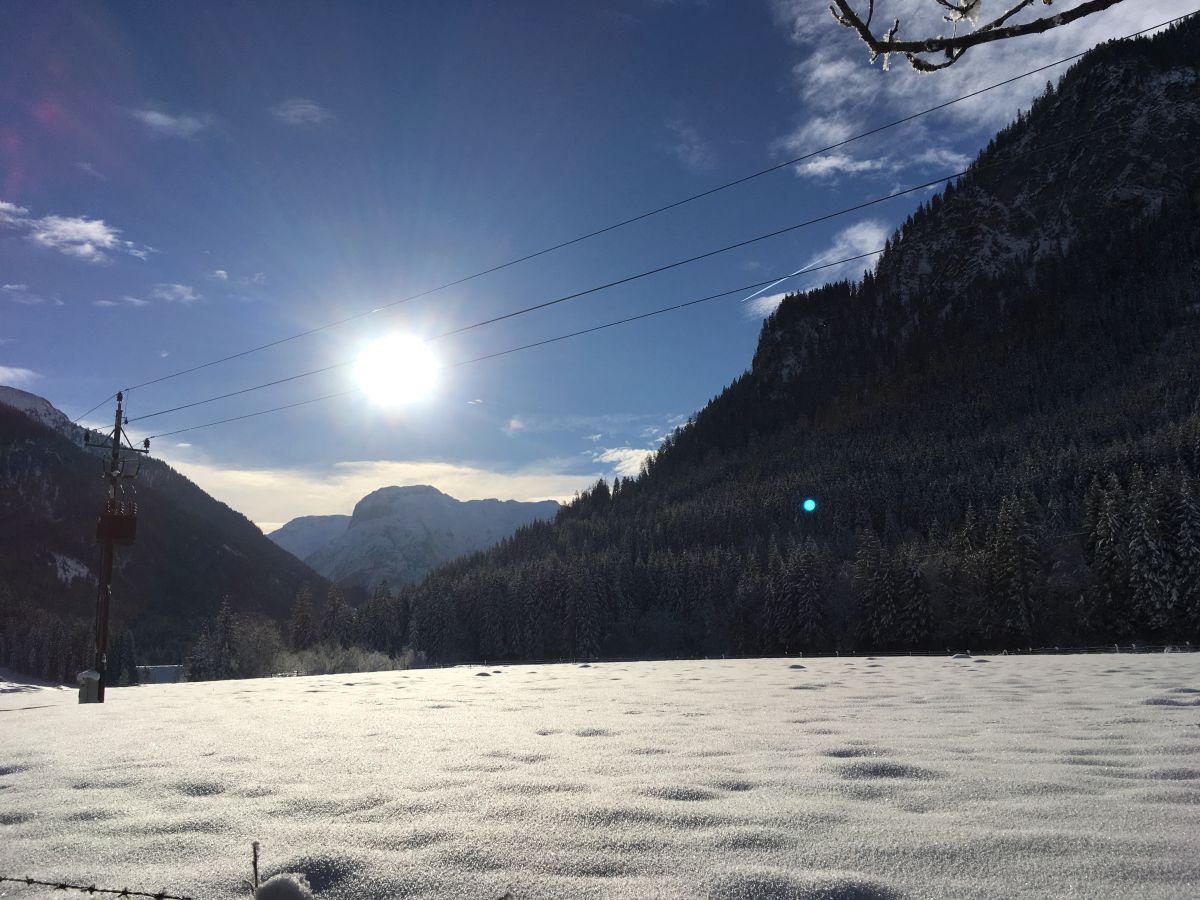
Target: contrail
x,y
799,271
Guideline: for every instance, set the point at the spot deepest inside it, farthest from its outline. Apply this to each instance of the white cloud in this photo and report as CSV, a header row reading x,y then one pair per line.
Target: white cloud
x,y
11,214
88,169
174,293
219,274
78,236
691,149
258,278
20,293
301,111
861,237
943,158
278,495
833,165
513,425
625,461
167,125
15,376
136,302
594,437
163,354
761,307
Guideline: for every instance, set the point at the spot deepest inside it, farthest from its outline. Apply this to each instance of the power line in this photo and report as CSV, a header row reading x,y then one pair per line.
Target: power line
x,y
629,221
668,266
562,337
75,421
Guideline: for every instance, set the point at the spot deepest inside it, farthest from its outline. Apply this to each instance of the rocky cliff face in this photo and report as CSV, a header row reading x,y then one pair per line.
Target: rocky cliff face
x,y
398,534
304,536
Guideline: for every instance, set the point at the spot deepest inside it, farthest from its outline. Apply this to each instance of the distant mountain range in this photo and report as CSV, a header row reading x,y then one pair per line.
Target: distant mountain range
x,y
398,534
191,550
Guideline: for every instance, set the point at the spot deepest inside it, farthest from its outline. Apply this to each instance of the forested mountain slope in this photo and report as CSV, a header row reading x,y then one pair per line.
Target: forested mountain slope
x,y
1000,426
191,551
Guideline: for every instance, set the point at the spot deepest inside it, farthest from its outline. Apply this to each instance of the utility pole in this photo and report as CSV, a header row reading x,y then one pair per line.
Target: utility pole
x,y
117,525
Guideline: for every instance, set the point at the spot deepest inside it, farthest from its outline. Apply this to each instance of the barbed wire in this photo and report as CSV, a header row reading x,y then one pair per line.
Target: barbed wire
x,y
92,889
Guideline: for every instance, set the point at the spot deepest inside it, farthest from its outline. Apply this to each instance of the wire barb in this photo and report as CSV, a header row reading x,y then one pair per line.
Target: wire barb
x,y
92,889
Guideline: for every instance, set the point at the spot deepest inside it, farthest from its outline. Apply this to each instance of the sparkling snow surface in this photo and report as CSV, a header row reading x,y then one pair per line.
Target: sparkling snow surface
x,y
841,779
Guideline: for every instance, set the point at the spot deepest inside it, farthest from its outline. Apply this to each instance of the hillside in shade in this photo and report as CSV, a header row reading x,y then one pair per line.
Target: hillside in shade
x,y
398,534
191,550
1000,424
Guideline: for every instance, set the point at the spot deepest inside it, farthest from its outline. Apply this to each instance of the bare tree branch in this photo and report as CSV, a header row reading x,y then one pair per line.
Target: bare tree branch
x,y
952,47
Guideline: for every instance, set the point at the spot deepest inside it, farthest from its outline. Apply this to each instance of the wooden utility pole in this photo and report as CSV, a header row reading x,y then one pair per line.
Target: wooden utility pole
x,y
117,525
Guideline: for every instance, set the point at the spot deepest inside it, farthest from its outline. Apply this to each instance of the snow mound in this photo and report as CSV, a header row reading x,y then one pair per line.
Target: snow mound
x,y
287,886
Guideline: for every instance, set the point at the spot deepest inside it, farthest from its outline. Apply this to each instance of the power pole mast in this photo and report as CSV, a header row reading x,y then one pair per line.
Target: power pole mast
x,y
117,525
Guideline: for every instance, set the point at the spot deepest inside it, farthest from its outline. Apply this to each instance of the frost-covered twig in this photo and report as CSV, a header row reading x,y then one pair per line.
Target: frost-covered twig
x,y
953,46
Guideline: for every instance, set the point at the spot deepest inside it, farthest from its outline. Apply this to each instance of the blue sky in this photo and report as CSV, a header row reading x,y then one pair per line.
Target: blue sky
x,y
182,181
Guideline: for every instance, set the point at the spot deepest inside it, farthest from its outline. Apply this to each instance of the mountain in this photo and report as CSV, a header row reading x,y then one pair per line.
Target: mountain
x,y
191,550
398,534
999,426
40,410
305,535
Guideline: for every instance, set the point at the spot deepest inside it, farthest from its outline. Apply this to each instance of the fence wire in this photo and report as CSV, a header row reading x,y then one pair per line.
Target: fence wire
x,y
92,889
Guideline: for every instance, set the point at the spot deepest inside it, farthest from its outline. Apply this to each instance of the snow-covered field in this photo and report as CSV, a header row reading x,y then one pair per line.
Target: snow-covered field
x,y
842,779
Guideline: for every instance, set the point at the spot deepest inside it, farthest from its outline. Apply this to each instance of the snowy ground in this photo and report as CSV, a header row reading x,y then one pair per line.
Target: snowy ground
x,y
770,779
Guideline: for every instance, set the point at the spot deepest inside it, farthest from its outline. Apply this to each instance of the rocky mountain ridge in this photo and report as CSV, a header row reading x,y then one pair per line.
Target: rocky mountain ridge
x,y
398,534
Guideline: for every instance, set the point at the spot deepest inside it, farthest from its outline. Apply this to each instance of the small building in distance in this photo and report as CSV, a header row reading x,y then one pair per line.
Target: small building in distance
x,y
160,674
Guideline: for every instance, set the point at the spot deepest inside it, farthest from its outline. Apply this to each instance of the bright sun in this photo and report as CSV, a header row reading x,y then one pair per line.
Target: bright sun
x,y
396,369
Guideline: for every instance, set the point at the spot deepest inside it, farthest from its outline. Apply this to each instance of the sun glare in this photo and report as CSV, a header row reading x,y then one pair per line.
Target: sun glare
x,y
396,369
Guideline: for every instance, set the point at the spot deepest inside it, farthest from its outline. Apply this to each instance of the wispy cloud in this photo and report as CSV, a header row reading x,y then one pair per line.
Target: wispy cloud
x,y
696,154
514,425
135,302
12,215
301,111
163,124
625,461
88,169
81,237
761,307
862,237
21,293
174,293
15,376
219,275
